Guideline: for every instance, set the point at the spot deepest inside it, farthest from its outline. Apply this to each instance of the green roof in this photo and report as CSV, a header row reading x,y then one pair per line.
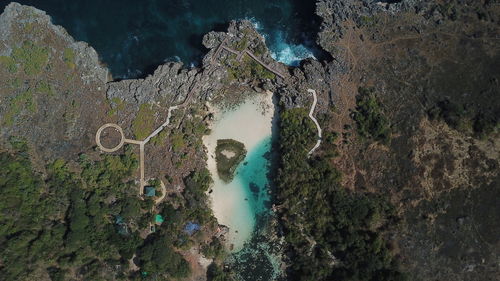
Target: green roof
x,y
159,218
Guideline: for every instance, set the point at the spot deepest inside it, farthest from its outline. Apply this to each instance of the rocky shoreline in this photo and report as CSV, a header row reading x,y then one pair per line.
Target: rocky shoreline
x,y
415,54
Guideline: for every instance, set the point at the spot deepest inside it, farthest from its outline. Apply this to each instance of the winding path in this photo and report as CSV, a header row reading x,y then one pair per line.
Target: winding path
x,y
313,106
141,144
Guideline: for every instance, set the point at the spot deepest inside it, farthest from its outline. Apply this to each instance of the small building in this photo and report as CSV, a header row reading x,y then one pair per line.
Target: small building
x,y
121,225
191,228
150,191
159,219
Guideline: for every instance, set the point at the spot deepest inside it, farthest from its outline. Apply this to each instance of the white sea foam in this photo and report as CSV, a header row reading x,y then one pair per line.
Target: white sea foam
x,y
173,59
287,53
281,50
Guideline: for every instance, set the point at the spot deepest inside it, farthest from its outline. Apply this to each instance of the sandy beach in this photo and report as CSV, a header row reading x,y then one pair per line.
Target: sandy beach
x,y
249,123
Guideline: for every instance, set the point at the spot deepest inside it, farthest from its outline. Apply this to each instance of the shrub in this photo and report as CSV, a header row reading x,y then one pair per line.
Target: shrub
x,y
31,56
369,117
8,63
69,57
143,122
226,166
315,209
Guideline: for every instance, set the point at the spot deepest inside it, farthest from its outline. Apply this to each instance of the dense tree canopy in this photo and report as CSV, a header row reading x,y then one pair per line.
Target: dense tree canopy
x,y
88,219
332,234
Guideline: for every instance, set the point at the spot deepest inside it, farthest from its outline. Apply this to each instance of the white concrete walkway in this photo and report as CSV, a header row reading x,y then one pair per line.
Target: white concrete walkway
x,y
315,100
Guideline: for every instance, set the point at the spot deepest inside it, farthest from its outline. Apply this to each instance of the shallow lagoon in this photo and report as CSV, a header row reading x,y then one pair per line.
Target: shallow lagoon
x,y
244,204
237,203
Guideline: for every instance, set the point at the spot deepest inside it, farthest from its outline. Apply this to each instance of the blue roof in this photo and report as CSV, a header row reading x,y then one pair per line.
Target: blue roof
x,y
119,220
191,228
150,191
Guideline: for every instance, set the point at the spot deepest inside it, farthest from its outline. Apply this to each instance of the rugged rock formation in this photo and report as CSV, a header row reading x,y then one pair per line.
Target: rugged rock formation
x,y
85,56
50,84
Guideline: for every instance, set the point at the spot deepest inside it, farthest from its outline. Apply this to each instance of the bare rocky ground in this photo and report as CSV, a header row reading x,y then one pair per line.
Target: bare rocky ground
x,y
440,172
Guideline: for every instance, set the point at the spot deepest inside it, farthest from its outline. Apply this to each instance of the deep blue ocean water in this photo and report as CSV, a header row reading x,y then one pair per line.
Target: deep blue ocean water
x,y
134,37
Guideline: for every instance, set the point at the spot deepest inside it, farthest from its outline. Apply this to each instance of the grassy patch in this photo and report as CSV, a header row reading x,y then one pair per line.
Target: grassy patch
x,y
31,56
160,139
143,122
117,104
372,123
260,49
44,87
242,44
69,57
248,68
368,20
15,83
17,103
228,154
177,140
8,63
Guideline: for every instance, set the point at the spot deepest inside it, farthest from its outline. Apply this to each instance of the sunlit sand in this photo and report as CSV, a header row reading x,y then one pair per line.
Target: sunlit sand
x,y
249,123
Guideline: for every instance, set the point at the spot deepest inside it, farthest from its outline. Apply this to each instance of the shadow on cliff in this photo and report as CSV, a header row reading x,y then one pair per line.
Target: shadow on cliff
x,y
305,14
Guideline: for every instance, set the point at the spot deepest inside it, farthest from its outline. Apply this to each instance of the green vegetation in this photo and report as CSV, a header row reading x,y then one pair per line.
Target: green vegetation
x,y
460,117
331,233
87,220
228,154
242,44
44,87
260,49
372,123
15,83
160,139
215,273
189,134
69,57
8,63
177,140
117,105
24,99
143,122
368,20
214,250
59,222
32,57
17,103
248,68
157,256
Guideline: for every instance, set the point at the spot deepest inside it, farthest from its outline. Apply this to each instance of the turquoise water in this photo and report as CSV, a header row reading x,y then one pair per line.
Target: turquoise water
x,y
134,37
252,174
258,260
